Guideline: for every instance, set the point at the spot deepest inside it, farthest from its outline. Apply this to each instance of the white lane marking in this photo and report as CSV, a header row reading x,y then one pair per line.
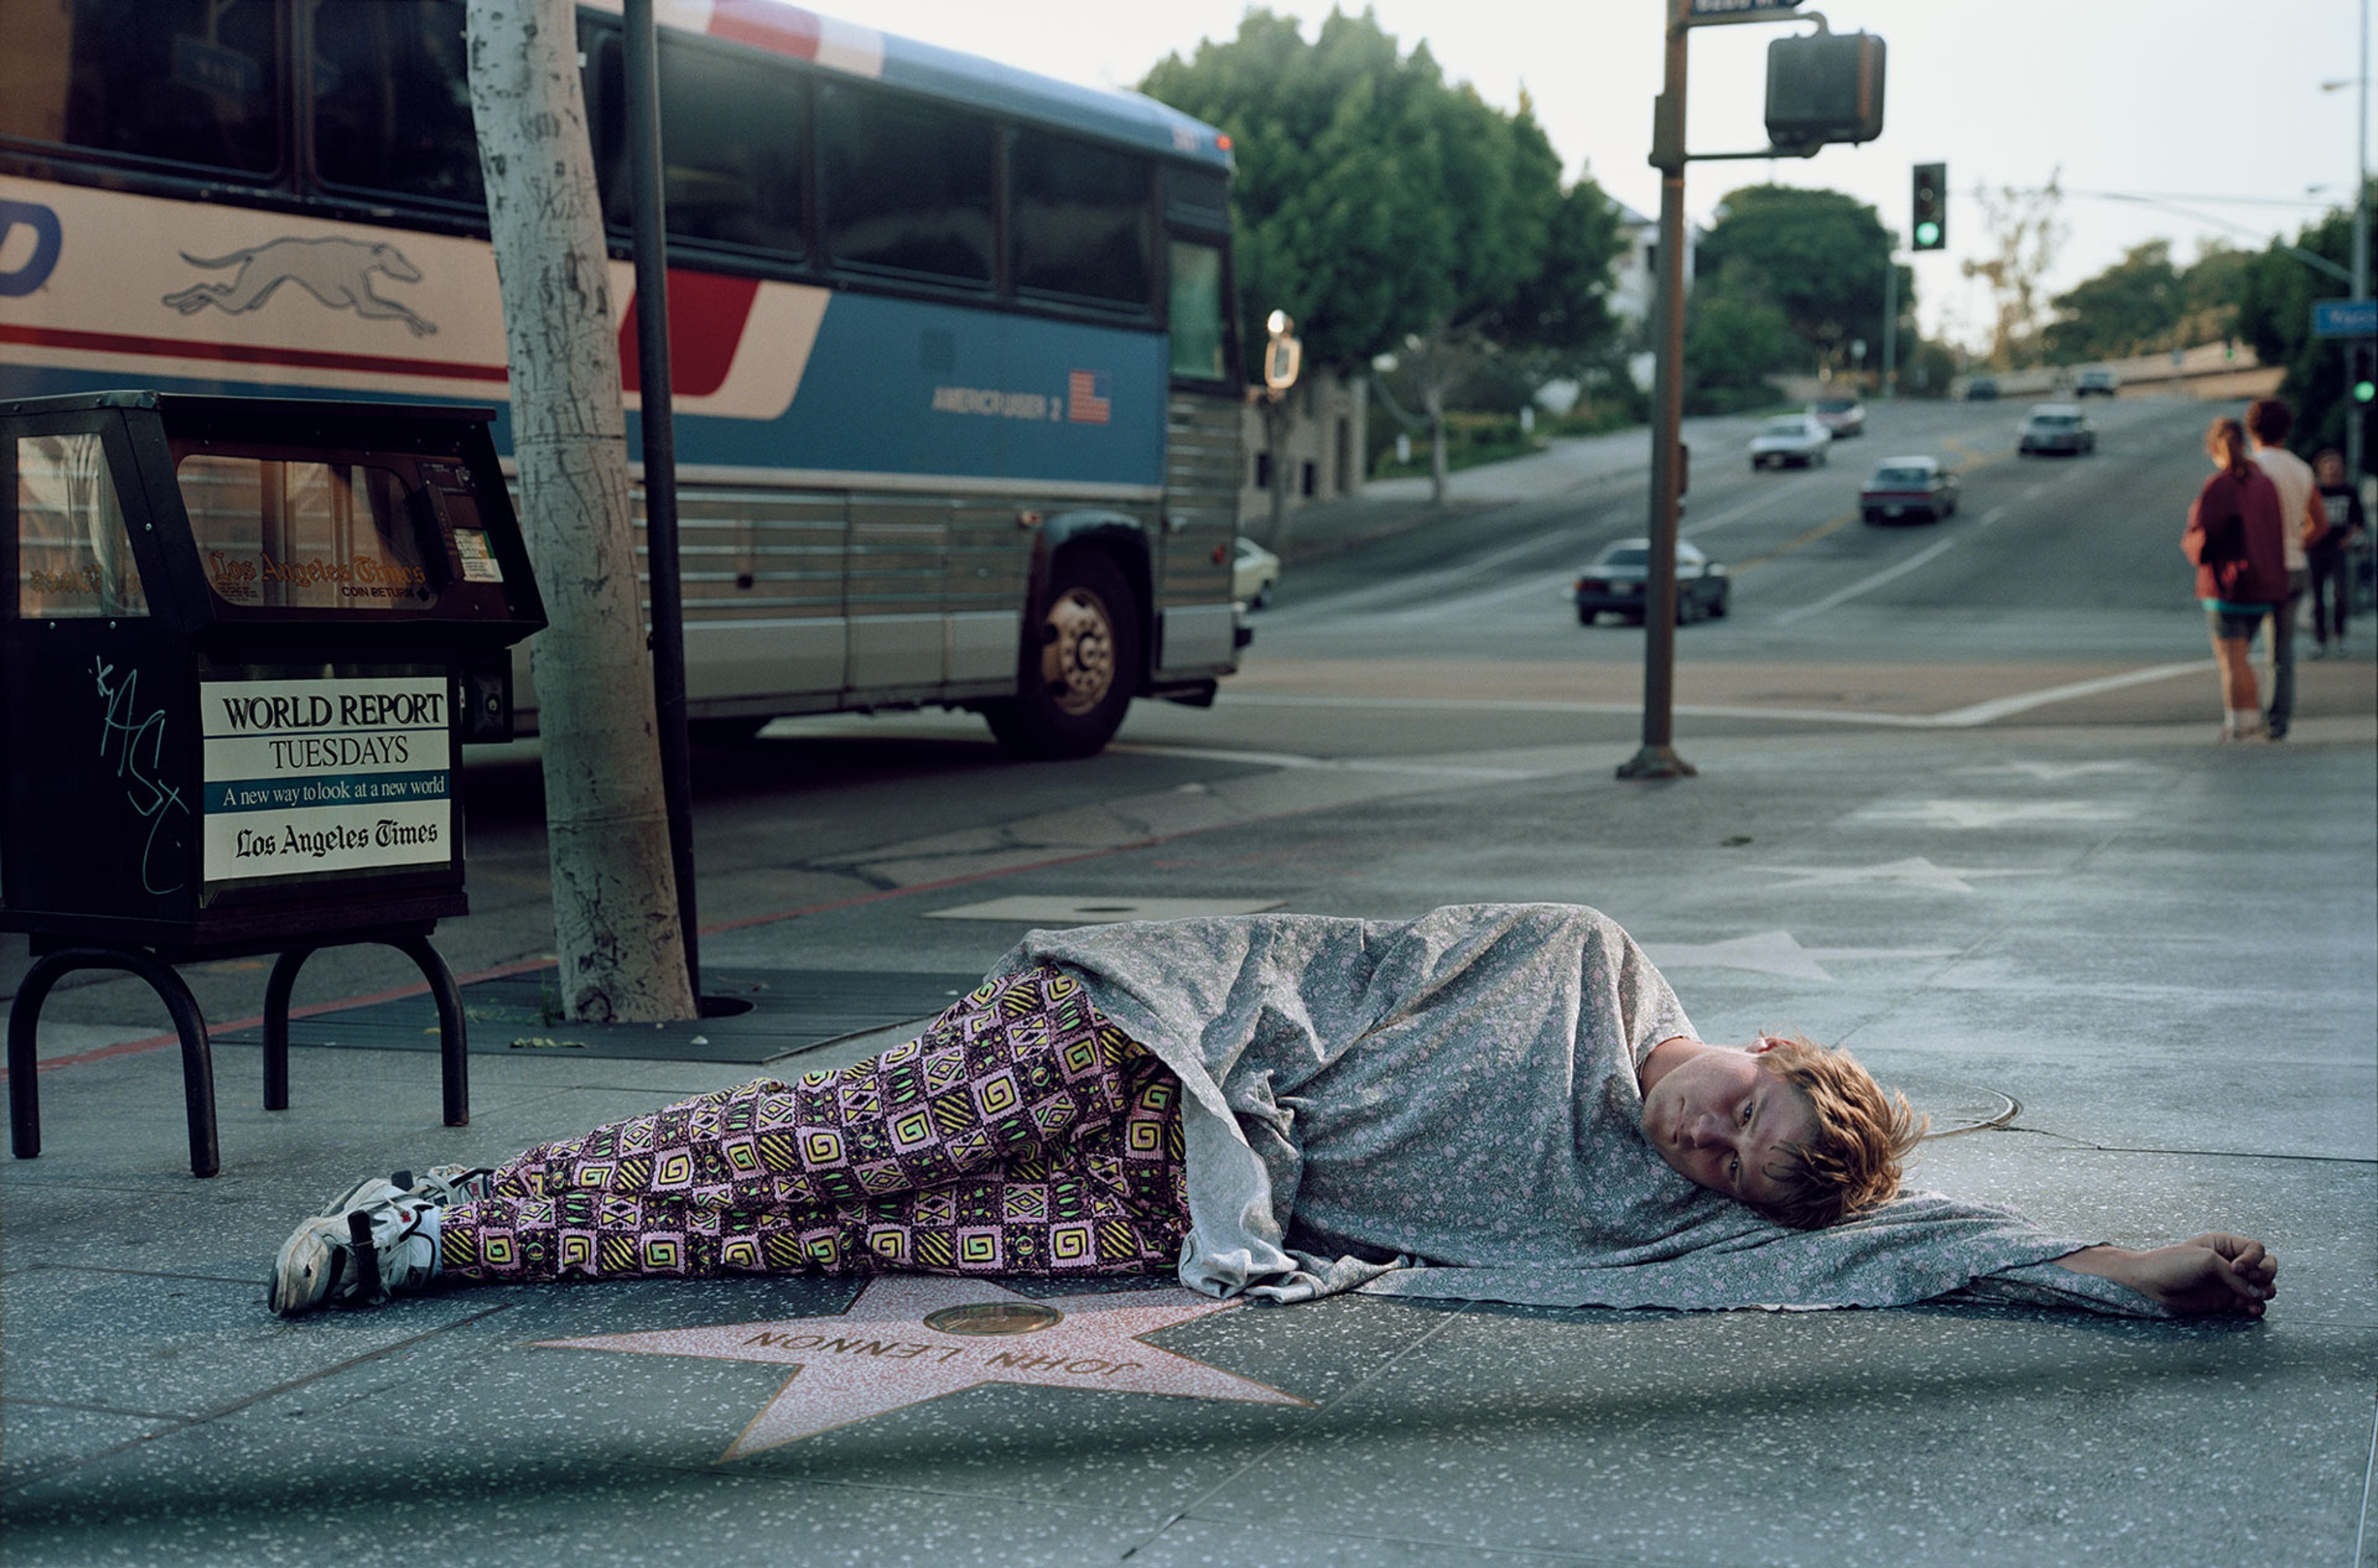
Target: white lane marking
x,y
1999,707
1842,595
1404,587
1766,497
1992,516
1555,584
1968,717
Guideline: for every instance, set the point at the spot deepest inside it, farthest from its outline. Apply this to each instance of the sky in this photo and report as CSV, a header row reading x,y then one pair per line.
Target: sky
x,y
2213,108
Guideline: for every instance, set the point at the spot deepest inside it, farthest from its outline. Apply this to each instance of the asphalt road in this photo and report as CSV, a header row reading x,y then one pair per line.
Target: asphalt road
x,y
2055,595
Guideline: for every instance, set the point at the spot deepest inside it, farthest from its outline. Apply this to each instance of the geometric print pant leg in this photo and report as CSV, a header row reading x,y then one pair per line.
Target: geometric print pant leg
x,y
1021,1133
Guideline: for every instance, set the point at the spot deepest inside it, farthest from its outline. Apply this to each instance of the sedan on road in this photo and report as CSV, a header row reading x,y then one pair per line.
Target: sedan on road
x,y
1844,417
1793,441
1614,581
1909,486
1253,574
2056,428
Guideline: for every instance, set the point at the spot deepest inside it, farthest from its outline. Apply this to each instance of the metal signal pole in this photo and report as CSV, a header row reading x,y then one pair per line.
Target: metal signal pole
x,y
1657,758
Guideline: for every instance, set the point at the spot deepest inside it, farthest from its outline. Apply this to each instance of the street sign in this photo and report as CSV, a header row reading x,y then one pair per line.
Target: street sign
x,y
2344,317
1740,11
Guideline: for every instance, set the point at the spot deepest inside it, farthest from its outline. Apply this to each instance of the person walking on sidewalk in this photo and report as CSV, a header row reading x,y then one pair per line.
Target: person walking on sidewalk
x,y
2268,420
2234,538
1317,1102
2327,554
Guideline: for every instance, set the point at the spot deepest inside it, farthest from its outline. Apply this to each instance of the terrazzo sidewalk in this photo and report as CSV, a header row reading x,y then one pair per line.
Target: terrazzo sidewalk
x,y
2128,939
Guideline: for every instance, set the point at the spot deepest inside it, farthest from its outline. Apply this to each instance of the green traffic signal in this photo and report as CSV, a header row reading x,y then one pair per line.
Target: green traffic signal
x,y
2364,391
1931,207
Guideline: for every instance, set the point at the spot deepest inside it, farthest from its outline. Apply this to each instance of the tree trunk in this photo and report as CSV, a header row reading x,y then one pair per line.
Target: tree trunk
x,y
622,955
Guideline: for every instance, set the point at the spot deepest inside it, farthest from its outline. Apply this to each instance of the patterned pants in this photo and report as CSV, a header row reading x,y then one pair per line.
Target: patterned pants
x,y
1021,1133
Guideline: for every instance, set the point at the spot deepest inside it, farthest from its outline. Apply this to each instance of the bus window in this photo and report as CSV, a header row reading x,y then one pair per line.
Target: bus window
x,y
392,98
908,188
74,558
735,132
1196,319
1078,217
186,81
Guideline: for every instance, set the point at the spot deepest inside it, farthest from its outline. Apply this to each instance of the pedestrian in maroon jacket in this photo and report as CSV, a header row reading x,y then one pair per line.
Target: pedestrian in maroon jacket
x,y
2236,536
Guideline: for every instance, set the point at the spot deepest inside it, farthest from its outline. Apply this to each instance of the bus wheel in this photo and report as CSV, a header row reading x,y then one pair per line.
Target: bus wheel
x,y
1090,661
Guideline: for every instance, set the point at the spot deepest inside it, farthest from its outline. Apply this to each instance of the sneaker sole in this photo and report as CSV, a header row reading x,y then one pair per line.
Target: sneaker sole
x,y
307,1267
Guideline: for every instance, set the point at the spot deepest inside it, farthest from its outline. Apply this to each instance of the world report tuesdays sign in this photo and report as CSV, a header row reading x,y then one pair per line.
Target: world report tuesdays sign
x,y
324,775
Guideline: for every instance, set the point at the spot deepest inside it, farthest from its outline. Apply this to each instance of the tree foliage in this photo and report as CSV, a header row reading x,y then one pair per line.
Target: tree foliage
x,y
1786,279
2026,233
2275,299
1391,211
2146,302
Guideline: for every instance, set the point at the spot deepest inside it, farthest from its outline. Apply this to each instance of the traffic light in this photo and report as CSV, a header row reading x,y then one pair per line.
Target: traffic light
x,y
2362,373
1931,229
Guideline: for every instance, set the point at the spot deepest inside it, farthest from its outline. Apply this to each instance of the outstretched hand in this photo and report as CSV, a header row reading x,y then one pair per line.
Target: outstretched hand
x,y
2213,1274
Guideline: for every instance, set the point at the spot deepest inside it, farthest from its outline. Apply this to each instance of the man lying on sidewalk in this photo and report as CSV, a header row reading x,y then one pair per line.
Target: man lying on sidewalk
x,y
1490,1102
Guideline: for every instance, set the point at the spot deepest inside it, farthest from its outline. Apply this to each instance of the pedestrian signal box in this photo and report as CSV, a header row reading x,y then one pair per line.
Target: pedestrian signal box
x,y
1822,88
1930,207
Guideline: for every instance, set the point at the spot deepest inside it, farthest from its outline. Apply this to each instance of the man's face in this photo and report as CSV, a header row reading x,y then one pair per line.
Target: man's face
x,y
2332,471
1718,1117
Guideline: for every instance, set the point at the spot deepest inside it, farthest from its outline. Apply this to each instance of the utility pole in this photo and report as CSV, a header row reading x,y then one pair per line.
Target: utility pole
x,y
1821,88
2355,416
1657,758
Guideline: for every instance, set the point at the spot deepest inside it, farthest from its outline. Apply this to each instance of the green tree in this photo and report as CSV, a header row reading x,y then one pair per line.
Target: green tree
x,y
2134,306
1818,257
1735,340
1389,211
2275,300
2144,304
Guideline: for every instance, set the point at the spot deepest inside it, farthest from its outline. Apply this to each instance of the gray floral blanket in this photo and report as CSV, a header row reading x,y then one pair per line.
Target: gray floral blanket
x,y
1448,1107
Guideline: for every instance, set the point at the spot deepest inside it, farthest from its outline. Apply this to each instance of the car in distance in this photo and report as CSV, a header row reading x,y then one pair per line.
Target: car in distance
x,y
1909,486
1791,440
2096,382
1614,583
1843,417
2056,428
1253,574
1982,389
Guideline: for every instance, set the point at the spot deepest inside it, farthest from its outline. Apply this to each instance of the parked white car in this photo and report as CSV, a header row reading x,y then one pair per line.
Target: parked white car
x,y
1791,440
1253,574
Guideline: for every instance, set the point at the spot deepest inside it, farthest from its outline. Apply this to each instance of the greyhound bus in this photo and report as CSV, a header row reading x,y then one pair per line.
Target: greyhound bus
x,y
955,369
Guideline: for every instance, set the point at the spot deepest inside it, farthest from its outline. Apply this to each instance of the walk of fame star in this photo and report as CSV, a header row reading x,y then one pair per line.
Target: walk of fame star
x,y
909,1338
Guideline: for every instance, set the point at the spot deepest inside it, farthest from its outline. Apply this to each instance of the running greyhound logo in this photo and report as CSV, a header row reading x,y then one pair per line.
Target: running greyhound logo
x,y
336,271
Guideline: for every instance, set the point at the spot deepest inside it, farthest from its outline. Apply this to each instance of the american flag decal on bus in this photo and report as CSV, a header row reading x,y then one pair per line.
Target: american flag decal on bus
x,y
1086,398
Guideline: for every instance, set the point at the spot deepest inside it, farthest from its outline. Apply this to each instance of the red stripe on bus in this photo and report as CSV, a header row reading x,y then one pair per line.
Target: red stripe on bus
x,y
766,24
247,354
706,314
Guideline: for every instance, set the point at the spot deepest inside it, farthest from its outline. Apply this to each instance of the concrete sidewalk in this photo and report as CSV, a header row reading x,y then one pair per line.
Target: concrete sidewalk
x,y
2150,960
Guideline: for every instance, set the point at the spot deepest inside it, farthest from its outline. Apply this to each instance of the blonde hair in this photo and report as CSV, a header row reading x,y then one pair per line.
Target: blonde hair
x,y
2226,440
1862,1134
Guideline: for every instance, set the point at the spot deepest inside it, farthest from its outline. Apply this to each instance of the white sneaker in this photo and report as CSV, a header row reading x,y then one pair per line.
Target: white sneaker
x,y
372,1245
